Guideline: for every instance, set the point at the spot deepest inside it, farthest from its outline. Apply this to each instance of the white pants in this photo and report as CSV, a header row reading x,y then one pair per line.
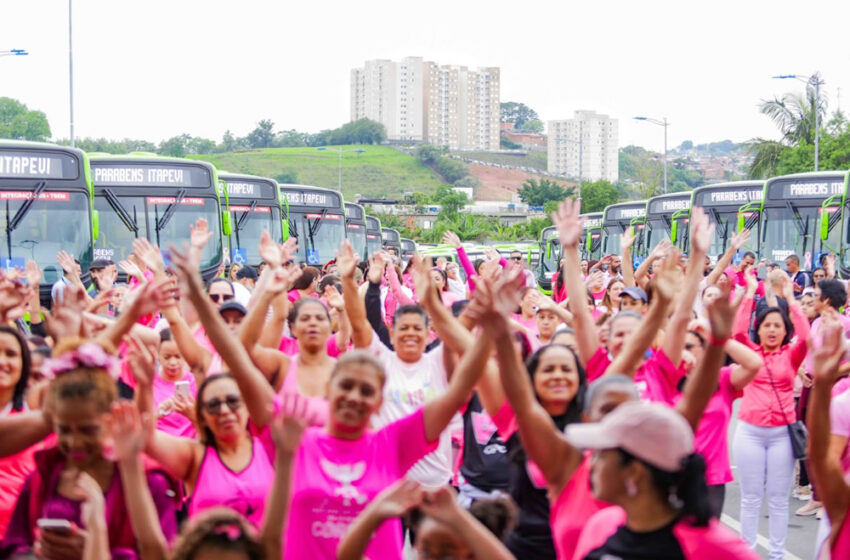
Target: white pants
x,y
765,461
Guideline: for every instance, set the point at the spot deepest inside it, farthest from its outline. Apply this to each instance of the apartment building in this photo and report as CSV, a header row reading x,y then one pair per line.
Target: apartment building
x,y
585,146
418,100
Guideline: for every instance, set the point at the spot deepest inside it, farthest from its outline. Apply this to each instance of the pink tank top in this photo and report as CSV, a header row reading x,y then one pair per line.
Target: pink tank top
x,y
216,364
841,546
245,491
317,407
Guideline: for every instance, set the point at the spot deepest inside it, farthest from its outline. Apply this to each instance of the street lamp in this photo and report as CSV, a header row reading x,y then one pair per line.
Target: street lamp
x,y
71,66
340,151
814,80
580,158
14,52
665,124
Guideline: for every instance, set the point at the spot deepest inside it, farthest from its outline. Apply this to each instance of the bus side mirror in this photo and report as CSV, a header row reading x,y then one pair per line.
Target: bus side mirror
x,y
824,224
226,227
674,230
95,224
284,224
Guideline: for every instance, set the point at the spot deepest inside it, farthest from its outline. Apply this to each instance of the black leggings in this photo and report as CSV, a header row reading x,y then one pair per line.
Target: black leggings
x,y
716,497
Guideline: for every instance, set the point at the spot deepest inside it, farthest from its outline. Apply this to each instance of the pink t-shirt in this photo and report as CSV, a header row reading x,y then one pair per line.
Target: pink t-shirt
x,y
169,420
839,421
657,379
334,479
14,470
597,364
289,346
529,324
841,545
711,439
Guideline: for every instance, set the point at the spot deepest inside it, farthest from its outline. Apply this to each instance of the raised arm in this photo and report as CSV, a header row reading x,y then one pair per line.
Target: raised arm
x,y
452,239
738,240
256,392
146,300
747,363
22,430
361,330
453,334
826,467
631,356
642,273
570,227
741,330
541,439
395,286
677,328
800,347
702,384
626,241
270,361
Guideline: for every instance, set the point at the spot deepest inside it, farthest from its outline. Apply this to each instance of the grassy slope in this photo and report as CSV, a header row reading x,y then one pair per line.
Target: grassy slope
x,y
380,170
534,160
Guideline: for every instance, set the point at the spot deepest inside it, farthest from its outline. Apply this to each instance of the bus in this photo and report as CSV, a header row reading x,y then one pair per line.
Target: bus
x,y
660,223
591,239
799,214
316,218
722,202
391,240
616,220
408,248
254,204
46,193
374,241
355,228
158,198
550,256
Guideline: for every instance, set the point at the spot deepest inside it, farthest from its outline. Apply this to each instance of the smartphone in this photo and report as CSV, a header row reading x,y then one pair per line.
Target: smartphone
x,y
182,388
56,525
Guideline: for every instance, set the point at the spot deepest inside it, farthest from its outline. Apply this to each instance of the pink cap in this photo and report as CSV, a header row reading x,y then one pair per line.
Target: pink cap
x,y
652,432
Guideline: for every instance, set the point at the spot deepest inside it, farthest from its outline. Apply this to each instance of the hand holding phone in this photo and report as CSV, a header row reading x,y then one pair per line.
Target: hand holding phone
x,y
182,388
54,525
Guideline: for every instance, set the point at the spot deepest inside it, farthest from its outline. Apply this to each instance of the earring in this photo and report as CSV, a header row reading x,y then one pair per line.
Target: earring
x,y
631,488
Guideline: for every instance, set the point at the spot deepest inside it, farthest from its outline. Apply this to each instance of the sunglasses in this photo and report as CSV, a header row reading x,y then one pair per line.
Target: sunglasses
x,y
213,406
221,298
516,259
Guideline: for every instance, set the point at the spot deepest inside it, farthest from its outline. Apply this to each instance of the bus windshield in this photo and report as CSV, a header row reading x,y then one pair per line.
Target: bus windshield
x,y
319,236
373,243
786,232
52,224
248,227
655,231
146,213
551,257
357,236
725,224
612,239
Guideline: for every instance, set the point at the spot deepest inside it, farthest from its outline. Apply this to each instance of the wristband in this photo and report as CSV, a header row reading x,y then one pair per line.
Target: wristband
x,y
718,341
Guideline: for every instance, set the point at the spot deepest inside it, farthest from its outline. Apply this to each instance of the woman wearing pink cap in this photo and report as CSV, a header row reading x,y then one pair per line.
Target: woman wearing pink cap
x,y
644,462
825,466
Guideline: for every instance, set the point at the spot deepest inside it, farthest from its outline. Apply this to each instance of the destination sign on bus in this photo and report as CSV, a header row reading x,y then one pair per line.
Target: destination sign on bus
x,y
663,205
150,176
44,196
309,198
257,209
323,216
37,165
249,189
812,187
355,226
736,197
626,213
187,201
592,223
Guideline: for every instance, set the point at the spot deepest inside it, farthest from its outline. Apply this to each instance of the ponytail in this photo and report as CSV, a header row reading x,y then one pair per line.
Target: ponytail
x,y
692,491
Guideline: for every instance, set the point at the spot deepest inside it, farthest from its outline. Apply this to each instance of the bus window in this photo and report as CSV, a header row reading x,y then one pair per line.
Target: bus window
x,y
177,226
786,231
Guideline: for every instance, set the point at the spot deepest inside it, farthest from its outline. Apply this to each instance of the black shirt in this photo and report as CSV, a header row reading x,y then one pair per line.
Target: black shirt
x,y
531,539
485,455
626,544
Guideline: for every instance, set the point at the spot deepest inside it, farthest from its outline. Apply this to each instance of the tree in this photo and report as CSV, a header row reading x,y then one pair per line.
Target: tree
x,y
517,113
597,195
686,146
198,145
262,136
452,170
795,116
287,176
536,192
428,154
176,146
229,143
533,125
17,122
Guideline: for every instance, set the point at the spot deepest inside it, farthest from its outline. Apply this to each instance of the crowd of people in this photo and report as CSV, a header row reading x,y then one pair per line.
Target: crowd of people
x,y
377,406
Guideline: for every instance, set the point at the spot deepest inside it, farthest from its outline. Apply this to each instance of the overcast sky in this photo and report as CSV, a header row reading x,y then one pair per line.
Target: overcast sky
x,y
155,69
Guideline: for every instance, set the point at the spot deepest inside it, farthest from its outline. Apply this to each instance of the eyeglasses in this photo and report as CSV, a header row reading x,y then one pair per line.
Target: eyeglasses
x,y
221,298
213,406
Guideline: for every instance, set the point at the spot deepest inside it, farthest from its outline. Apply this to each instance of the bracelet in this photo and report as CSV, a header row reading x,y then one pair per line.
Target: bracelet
x,y
717,341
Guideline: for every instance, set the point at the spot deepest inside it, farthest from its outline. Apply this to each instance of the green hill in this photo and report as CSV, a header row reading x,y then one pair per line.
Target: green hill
x,y
378,171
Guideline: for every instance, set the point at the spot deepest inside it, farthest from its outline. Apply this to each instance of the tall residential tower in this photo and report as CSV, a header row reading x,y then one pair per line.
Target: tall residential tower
x,y
585,146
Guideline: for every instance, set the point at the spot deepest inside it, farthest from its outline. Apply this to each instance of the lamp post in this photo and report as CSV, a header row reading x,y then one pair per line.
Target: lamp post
x,y
71,66
665,124
14,52
339,167
813,80
580,156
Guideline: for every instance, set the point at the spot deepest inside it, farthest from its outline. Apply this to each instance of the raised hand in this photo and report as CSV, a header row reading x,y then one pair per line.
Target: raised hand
x,y
289,425
149,254
627,238
701,232
721,314
827,358
141,361
426,290
69,267
185,270
452,239
334,298
94,504
668,279
200,233
492,254
130,269
441,504
270,251
152,297
128,431
569,222
66,318
661,249
398,499
346,260
740,239
377,266
280,280
33,274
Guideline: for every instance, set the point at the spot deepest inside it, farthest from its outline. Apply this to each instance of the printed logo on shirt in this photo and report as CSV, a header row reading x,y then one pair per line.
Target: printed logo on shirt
x,y
411,398
346,474
483,427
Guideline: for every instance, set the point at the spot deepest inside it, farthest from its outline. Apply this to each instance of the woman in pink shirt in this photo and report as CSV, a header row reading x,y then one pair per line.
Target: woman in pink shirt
x,y
762,446
825,466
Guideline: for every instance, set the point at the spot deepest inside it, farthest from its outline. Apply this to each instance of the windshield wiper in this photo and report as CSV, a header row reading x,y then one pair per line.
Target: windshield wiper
x,y
122,212
317,223
25,207
802,227
241,221
722,227
162,222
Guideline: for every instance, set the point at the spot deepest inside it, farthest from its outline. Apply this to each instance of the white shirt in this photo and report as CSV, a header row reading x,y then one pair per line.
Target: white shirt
x,y
408,388
241,294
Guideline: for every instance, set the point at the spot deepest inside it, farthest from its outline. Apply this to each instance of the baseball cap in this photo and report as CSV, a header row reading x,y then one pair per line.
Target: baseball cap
x,y
246,272
98,264
635,293
232,306
653,432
